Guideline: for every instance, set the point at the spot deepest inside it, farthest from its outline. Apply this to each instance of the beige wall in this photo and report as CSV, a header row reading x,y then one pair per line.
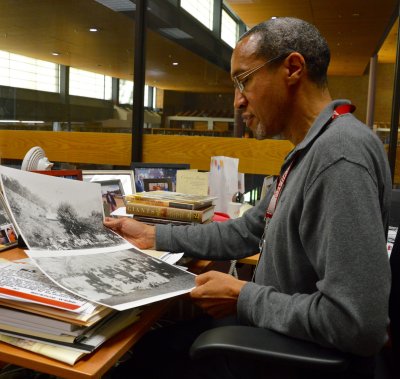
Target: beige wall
x,y
355,88
384,92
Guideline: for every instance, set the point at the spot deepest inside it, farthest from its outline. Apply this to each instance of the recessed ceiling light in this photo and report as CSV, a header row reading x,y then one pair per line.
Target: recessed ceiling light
x,y
273,17
55,53
93,30
175,63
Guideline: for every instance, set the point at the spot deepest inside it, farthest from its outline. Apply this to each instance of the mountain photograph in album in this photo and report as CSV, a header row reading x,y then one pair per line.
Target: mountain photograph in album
x,y
171,199
76,251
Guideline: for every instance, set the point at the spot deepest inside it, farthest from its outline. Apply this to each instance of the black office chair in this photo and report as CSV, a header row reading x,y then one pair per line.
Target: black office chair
x,y
256,344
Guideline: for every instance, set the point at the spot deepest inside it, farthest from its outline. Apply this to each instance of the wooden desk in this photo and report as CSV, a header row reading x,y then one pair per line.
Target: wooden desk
x,y
252,260
93,365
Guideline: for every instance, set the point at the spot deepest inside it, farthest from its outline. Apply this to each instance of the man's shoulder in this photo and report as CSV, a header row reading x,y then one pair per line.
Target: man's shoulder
x,y
348,139
349,136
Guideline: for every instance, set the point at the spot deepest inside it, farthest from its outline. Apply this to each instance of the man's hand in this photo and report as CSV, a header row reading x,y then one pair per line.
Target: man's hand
x,y
137,233
217,293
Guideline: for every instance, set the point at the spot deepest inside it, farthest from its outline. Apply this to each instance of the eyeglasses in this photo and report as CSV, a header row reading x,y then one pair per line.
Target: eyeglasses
x,y
238,80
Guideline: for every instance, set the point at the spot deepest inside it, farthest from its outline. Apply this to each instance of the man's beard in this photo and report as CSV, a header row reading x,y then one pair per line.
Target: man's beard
x,y
261,133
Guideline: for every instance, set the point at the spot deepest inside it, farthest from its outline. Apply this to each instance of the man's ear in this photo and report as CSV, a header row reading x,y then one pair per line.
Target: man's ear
x,y
295,65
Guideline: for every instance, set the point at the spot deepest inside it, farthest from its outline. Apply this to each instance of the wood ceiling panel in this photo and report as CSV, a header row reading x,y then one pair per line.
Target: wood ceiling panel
x,y
354,29
62,26
256,11
387,53
36,28
192,72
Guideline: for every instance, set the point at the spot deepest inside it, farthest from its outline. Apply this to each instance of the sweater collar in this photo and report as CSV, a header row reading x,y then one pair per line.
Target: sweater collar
x,y
316,128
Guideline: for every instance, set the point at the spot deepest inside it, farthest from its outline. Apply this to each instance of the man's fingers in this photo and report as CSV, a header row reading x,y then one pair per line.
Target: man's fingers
x,y
204,278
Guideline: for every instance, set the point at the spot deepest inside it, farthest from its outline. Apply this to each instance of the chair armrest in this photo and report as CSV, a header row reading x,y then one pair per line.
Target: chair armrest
x,y
266,345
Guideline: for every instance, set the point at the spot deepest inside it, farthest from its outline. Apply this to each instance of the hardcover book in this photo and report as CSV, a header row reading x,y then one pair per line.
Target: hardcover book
x,y
171,199
192,215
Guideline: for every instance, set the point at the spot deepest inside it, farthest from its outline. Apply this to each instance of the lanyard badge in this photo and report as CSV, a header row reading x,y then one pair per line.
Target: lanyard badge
x,y
338,111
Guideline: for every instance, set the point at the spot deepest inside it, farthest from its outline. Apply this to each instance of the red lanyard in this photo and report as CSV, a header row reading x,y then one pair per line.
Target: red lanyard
x,y
339,110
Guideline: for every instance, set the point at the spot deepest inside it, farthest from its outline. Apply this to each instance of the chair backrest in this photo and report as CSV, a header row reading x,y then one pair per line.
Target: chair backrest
x,y
394,217
394,301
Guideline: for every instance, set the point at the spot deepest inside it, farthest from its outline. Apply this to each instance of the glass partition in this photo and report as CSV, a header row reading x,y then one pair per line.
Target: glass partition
x,y
58,61
69,66
194,96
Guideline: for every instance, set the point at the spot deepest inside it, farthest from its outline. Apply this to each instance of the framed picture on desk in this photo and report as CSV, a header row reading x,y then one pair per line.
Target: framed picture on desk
x,y
157,184
125,176
8,233
157,171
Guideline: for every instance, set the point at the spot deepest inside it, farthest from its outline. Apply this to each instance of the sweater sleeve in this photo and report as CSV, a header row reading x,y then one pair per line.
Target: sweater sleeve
x,y
344,239
232,239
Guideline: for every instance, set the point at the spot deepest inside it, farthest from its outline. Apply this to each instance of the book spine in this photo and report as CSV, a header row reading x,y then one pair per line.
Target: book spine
x,y
161,203
164,212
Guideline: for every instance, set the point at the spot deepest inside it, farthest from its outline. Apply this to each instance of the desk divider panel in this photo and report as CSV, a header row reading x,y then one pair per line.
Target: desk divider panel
x,y
255,157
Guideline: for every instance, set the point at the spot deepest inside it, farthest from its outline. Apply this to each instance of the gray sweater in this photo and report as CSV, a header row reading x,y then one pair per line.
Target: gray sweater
x,y
324,274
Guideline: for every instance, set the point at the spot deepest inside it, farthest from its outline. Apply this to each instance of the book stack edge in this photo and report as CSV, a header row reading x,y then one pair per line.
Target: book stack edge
x,y
170,207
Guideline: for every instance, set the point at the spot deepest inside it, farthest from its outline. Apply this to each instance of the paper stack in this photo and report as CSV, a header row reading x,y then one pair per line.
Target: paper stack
x,y
37,315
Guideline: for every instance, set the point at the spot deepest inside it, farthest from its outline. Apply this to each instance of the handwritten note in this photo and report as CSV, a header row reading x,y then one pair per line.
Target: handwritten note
x,y
192,182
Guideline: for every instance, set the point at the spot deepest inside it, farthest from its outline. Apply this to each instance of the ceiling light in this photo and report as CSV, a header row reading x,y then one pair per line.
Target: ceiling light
x,y
175,63
93,30
55,53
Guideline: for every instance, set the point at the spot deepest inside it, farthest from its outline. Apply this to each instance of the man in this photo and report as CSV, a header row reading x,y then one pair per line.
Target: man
x,y
323,275
139,184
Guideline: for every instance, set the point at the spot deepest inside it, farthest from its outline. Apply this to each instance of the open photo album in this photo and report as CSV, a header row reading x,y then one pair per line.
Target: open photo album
x,y
61,222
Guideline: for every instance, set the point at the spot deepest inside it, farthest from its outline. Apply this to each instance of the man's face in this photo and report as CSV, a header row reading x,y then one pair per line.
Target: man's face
x,y
262,100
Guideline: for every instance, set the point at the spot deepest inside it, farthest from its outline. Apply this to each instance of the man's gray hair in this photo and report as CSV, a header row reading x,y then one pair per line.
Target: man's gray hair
x,y
283,35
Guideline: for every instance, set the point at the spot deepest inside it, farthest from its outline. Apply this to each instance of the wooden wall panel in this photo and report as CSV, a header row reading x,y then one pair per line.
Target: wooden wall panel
x,y
256,157
97,148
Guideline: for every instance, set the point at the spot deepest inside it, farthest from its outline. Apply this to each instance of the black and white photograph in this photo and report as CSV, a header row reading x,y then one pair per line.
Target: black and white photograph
x,y
54,213
61,221
121,280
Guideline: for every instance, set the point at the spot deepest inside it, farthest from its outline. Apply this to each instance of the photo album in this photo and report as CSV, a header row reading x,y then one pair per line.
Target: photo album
x,y
61,222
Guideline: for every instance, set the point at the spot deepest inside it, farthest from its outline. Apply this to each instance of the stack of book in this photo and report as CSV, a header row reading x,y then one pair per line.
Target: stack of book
x,y
39,316
170,207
